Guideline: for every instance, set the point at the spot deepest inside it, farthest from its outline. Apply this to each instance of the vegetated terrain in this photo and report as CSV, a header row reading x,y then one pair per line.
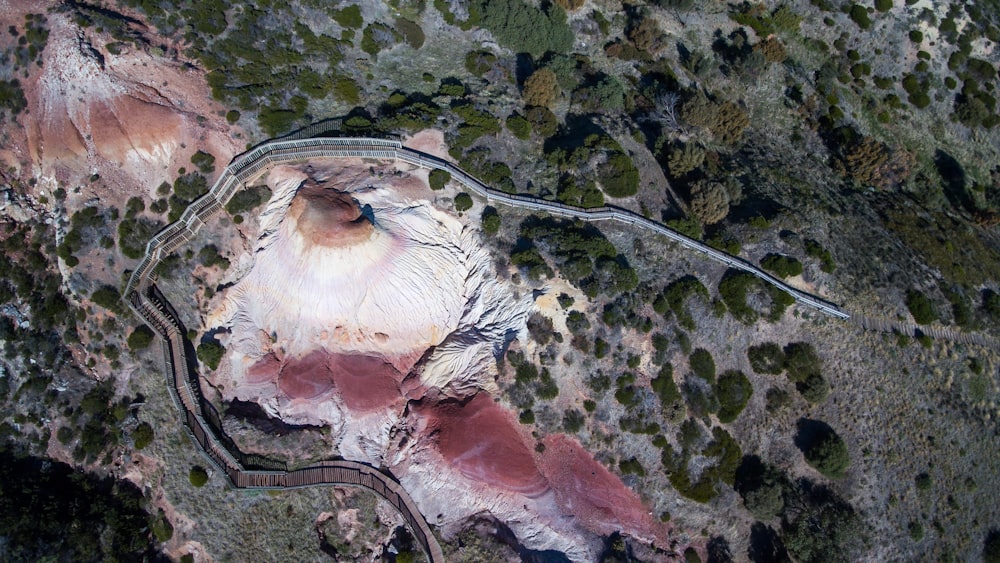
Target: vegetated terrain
x,y
849,147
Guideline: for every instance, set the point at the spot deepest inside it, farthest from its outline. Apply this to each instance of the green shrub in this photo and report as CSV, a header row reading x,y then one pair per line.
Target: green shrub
x,y
859,14
438,179
210,353
142,436
542,120
766,358
245,201
463,202
733,291
523,27
349,17
631,466
519,126
133,234
777,400
204,161
161,527
491,221
883,5
920,307
674,297
801,361
412,33
733,390
923,481
665,388
781,265
198,476
829,455
572,421
108,297
12,96
601,348
816,250
479,62
346,89
702,364
65,435
814,388
209,256
140,338
618,176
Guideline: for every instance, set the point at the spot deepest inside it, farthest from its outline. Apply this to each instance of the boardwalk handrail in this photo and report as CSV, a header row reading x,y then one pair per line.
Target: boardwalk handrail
x,y
202,421
285,150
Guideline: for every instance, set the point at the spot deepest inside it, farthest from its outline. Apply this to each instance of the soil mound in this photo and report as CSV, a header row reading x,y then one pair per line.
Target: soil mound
x,y
327,217
593,494
481,440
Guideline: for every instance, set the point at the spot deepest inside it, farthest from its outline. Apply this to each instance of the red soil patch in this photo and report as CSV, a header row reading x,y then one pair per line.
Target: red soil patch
x,y
264,370
481,440
587,490
326,217
307,377
366,383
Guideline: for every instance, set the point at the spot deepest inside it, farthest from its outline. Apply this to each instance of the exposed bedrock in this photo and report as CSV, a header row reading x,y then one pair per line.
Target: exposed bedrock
x,y
366,309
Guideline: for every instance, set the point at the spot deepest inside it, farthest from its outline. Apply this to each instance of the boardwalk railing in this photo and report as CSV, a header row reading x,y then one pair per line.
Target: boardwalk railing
x,y
272,153
203,421
249,471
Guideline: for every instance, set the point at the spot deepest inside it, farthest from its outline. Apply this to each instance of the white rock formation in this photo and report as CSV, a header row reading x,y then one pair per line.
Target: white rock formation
x,y
395,282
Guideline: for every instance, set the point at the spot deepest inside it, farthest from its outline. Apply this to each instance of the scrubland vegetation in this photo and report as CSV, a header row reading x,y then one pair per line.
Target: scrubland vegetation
x,y
848,145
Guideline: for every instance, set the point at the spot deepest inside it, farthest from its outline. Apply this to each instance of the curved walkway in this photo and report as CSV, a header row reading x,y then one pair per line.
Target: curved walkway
x,y
202,419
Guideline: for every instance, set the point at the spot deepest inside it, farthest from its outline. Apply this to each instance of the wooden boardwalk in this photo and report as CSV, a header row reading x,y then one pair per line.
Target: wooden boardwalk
x,y
251,471
936,332
257,472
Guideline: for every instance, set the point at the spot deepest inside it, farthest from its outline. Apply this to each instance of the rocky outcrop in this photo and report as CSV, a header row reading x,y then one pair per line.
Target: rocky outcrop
x,y
366,309
127,113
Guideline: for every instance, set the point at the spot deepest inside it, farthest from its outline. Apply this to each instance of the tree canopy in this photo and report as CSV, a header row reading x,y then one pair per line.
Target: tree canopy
x,y
523,27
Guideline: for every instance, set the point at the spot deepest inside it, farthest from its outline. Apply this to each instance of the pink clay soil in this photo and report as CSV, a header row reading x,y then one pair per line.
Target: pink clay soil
x,y
365,383
326,217
597,497
481,440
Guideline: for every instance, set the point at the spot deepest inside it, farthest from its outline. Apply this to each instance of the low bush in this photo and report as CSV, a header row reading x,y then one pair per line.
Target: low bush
x,y
781,265
733,391
210,353
438,179
519,126
523,27
618,176
142,436
828,454
108,297
801,361
198,476
665,388
702,364
767,358
245,201
140,338
490,220
859,14
920,307
463,202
